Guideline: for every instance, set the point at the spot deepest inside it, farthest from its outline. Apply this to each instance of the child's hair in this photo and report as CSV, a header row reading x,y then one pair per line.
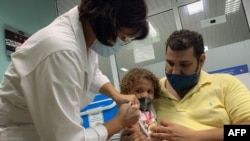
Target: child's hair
x,y
135,74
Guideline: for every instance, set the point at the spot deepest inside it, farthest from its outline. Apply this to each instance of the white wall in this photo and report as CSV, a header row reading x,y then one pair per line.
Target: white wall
x,y
221,57
157,68
218,58
228,56
246,4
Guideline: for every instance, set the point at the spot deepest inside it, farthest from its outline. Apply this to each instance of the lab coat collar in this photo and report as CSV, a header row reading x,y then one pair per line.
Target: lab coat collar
x,y
79,35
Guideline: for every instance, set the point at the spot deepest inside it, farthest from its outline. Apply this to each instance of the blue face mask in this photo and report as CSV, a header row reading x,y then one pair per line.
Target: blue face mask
x,y
181,82
105,50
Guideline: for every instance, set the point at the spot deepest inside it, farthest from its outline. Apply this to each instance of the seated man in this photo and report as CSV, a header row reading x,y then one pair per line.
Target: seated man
x,y
194,105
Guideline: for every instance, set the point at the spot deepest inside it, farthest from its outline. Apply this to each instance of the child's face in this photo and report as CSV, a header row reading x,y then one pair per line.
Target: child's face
x,y
143,88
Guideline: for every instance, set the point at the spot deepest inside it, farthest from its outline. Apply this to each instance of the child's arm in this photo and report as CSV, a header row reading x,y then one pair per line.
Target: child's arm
x,y
133,133
136,127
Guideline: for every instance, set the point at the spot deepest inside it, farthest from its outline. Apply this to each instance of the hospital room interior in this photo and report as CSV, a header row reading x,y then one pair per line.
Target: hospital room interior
x,y
224,25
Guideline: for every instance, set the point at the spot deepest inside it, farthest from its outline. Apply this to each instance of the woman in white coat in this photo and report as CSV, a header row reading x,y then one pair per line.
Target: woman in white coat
x,y
51,74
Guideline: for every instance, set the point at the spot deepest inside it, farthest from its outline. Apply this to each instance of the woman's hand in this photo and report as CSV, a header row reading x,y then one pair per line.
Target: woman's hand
x,y
120,99
126,98
128,114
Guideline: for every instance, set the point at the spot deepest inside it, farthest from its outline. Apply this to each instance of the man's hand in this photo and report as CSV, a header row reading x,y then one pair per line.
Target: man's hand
x,y
132,134
168,131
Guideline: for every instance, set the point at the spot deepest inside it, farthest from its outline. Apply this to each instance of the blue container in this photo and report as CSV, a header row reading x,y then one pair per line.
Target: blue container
x,y
99,111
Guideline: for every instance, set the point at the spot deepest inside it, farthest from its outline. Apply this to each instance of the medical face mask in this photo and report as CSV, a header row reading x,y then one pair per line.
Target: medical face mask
x,y
145,104
105,50
181,82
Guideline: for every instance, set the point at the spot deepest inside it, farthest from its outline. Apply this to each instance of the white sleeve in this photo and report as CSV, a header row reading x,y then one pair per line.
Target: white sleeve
x,y
52,91
99,79
99,131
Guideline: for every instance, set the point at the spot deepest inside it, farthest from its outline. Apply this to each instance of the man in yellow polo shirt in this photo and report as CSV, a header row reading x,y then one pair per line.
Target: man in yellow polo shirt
x,y
195,105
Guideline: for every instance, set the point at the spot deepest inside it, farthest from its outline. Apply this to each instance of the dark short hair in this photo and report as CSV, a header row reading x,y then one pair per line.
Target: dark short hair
x,y
107,17
184,39
136,74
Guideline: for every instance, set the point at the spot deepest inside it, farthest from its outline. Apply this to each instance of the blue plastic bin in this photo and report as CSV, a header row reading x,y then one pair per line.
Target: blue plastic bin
x,y
99,111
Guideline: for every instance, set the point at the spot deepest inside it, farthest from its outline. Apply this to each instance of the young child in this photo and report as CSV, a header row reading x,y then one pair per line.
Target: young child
x,y
145,85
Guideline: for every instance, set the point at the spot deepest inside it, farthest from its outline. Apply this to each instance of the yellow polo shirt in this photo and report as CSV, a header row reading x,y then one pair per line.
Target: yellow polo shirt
x,y
217,99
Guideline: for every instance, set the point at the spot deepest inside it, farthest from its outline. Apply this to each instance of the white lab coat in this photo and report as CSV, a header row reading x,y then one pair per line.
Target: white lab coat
x,y
47,83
